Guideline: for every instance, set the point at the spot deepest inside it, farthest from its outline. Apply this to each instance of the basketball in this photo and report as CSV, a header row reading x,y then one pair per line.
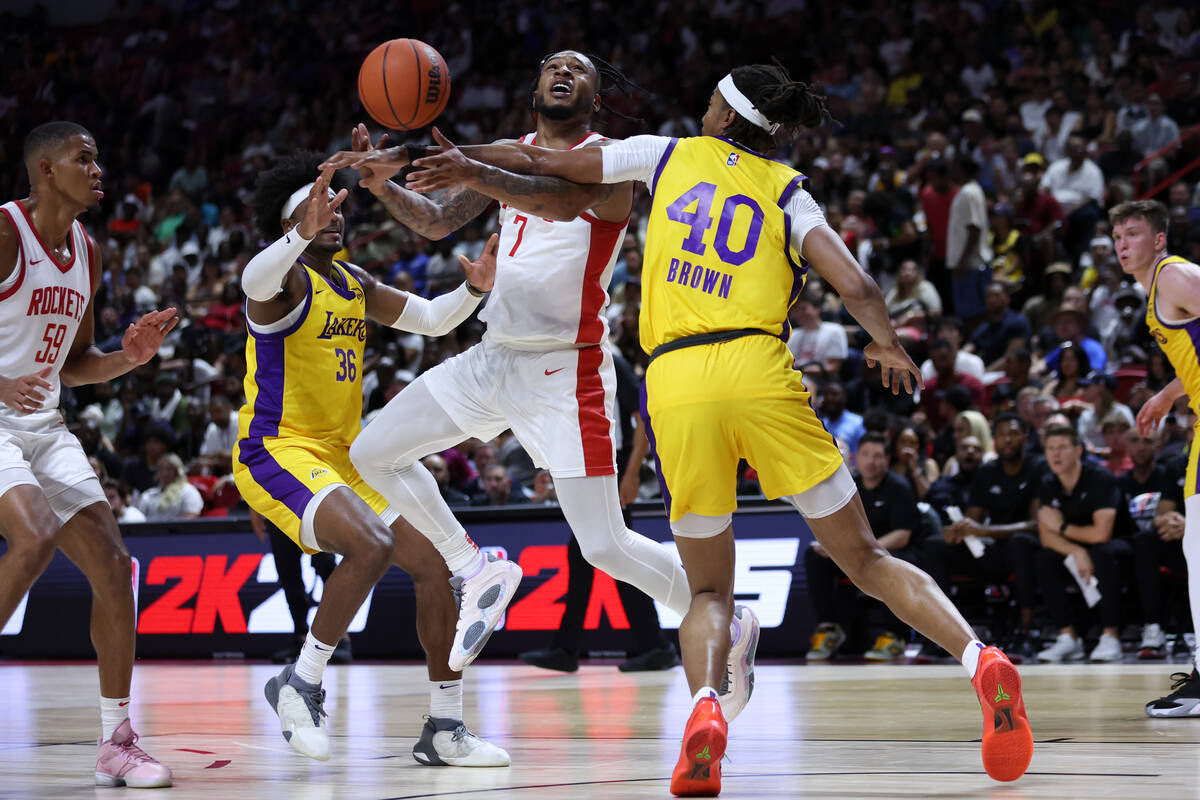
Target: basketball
x,y
404,84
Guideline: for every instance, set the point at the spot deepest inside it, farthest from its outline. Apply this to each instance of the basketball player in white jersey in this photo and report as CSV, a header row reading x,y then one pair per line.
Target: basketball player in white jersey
x,y
543,368
49,496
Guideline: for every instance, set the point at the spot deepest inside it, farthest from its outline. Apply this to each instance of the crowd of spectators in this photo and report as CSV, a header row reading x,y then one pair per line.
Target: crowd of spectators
x,y
972,152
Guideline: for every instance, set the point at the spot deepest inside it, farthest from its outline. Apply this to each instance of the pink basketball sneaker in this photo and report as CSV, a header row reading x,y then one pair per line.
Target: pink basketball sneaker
x,y
121,762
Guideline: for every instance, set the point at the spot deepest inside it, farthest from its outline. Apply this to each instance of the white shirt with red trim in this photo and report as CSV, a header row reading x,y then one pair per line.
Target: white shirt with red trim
x,y
41,305
552,278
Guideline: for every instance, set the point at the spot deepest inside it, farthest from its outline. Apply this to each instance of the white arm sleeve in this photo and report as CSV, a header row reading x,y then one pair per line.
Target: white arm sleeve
x,y
805,215
263,277
634,159
438,316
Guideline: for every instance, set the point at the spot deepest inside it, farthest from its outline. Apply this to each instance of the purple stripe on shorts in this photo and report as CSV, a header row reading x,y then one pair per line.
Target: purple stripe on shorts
x,y
662,482
272,477
662,162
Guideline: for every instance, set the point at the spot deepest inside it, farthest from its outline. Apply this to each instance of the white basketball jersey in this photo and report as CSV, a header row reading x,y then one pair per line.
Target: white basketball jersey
x,y
552,278
41,304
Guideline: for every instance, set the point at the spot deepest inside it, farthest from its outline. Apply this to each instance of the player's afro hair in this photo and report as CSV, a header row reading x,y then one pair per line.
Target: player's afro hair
x,y
278,183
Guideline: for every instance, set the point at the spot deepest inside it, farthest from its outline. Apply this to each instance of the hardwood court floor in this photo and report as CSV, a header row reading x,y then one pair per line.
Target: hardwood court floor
x,y
810,731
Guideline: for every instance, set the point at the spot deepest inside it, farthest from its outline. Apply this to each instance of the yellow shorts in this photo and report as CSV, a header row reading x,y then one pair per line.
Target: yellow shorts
x,y
711,405
278,476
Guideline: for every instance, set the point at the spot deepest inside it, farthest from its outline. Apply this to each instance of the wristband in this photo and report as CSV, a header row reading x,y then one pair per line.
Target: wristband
x,y
474,291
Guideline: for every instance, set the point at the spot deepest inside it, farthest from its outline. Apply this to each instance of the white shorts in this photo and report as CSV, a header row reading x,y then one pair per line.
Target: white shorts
x,y
50,457
559,404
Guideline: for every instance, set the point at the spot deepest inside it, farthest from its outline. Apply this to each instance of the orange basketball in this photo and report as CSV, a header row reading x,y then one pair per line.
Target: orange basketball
x,y
404,84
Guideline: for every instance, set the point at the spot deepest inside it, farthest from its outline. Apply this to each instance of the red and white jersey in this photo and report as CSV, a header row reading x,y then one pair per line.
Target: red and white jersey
x,y
552,278
41,304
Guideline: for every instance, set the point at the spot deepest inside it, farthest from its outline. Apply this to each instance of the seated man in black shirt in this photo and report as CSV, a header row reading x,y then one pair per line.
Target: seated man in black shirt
x,y
1155,499
891,507
1001,512
1080,516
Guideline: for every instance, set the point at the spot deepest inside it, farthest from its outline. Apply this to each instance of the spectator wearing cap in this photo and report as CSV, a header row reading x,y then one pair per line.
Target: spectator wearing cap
x,y
1037,309
1099,393
1099,264
1078,186
1127,339
1001,331
1035,208
1070,324
972,133
967,232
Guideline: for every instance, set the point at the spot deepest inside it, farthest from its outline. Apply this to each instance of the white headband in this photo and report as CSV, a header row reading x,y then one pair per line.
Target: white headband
x,y
298,197
741,104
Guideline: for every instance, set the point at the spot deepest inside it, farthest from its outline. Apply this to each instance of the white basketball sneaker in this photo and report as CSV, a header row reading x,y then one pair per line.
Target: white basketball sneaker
x,y
738,683
481,599
449,743
301,709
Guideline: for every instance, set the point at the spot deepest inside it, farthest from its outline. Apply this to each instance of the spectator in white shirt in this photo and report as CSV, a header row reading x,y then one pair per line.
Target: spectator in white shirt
x,y
1078,186
220,435
814,340
951,329
173,498
119,502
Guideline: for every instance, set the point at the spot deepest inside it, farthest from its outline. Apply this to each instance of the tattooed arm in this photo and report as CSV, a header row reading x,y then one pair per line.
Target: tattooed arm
x,y
433,216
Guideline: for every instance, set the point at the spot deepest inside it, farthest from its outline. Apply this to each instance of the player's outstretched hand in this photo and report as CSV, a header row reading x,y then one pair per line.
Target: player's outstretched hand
x,y
482,273
360,141
442,170
143,338
22,395
1152,412
896,369
383,162
320,205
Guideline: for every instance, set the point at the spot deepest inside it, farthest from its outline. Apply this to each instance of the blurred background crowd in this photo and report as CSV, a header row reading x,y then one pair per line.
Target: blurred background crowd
x,y
973,151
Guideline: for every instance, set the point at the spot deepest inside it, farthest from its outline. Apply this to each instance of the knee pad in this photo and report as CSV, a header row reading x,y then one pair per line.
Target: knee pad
x,y
695,526
828,496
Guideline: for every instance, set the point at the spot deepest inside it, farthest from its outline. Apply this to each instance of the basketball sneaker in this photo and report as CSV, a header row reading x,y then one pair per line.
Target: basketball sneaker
x,y
1007,737
698,773
1065,648
481,600
888,647
449,743
120,762
825,641
1154,643
738,683
1107,650
1183,701
301,709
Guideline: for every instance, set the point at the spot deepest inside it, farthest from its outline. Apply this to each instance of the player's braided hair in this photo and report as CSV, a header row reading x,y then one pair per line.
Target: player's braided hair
x,y
792,104
610,79
276,185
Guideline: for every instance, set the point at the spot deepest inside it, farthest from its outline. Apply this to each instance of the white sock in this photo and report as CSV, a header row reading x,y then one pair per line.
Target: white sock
x,y
970,657
113,711
705,691
314,655
445,699
469,569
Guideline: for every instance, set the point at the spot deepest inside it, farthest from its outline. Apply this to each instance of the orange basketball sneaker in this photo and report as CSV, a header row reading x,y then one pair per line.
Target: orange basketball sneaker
x,y
1007,737
698,773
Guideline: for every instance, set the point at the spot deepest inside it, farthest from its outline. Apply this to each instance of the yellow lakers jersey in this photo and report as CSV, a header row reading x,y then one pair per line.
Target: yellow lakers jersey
x,y
1180,342
304,380
717,244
